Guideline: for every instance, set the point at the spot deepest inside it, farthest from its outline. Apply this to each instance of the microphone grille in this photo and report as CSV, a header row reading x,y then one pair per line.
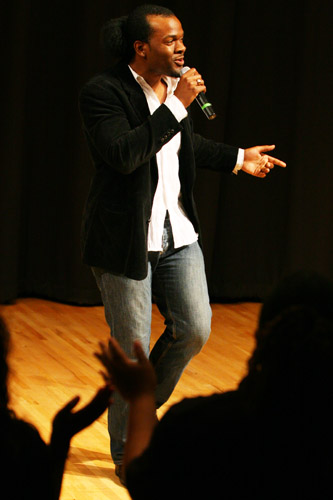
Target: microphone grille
x,y
184,70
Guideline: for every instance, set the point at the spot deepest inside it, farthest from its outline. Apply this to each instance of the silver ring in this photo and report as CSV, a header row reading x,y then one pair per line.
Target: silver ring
x,y
199,81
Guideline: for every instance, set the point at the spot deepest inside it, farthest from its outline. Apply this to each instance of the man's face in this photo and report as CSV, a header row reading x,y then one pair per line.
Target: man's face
x,y
165,48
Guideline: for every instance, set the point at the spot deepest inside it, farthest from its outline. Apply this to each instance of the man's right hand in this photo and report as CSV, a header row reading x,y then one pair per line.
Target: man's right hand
x,y
189,86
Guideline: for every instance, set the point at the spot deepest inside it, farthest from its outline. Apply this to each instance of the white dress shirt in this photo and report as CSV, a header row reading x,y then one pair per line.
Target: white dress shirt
x,y
168,196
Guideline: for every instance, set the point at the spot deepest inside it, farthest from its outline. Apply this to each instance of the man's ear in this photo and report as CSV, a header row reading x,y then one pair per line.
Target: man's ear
x,y
140,48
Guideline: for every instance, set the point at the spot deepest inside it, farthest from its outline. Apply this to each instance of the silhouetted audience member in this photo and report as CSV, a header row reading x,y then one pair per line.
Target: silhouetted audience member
x,y
30,468
269,439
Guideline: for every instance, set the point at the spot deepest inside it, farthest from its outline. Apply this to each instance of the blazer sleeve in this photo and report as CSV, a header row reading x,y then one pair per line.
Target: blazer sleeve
x,y
116,134
214,155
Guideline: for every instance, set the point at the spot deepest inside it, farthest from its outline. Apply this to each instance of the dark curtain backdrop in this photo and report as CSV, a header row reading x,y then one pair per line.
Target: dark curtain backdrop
x,y
268,69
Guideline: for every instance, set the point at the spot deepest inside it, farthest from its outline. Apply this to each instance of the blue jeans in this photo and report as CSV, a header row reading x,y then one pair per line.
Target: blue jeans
x,y
176,281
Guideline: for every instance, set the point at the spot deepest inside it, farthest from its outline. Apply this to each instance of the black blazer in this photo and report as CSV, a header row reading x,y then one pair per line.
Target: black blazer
x,y
123,140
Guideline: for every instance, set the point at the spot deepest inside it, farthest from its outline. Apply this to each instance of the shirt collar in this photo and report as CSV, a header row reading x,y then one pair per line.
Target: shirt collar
x,y
169,80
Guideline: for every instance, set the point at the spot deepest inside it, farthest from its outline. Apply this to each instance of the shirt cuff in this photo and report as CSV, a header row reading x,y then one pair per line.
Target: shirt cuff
x,y
239,162
176,107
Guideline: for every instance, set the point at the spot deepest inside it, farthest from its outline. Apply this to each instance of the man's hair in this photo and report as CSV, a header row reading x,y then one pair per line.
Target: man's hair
x,y
118,35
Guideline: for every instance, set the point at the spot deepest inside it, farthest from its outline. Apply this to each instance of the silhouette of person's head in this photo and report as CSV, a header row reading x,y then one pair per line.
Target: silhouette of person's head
x,y
4,345
292,364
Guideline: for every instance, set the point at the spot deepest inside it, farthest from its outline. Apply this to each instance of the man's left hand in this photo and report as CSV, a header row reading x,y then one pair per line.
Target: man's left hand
x,y
259,164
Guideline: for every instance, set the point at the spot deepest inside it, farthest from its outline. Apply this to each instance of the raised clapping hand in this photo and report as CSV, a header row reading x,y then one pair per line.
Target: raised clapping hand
x,y
259,164
67,423
131,378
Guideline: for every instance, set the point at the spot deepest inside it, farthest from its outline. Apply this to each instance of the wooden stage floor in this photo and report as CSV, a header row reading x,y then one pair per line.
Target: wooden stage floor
x,y
51,360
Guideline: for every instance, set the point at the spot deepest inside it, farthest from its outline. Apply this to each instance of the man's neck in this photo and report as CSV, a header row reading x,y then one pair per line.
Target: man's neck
x,y
153,79
156,82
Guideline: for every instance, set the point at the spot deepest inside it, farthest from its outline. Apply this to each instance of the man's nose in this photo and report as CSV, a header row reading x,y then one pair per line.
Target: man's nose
x,y
180,47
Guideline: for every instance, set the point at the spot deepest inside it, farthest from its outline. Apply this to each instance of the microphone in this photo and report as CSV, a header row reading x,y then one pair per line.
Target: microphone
x,y
202,100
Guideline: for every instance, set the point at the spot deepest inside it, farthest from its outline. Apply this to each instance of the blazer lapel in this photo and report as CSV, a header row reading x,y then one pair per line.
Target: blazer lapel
x,y
135,93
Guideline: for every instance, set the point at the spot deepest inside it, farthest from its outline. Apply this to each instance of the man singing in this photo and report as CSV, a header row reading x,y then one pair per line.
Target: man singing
x,y
141,233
